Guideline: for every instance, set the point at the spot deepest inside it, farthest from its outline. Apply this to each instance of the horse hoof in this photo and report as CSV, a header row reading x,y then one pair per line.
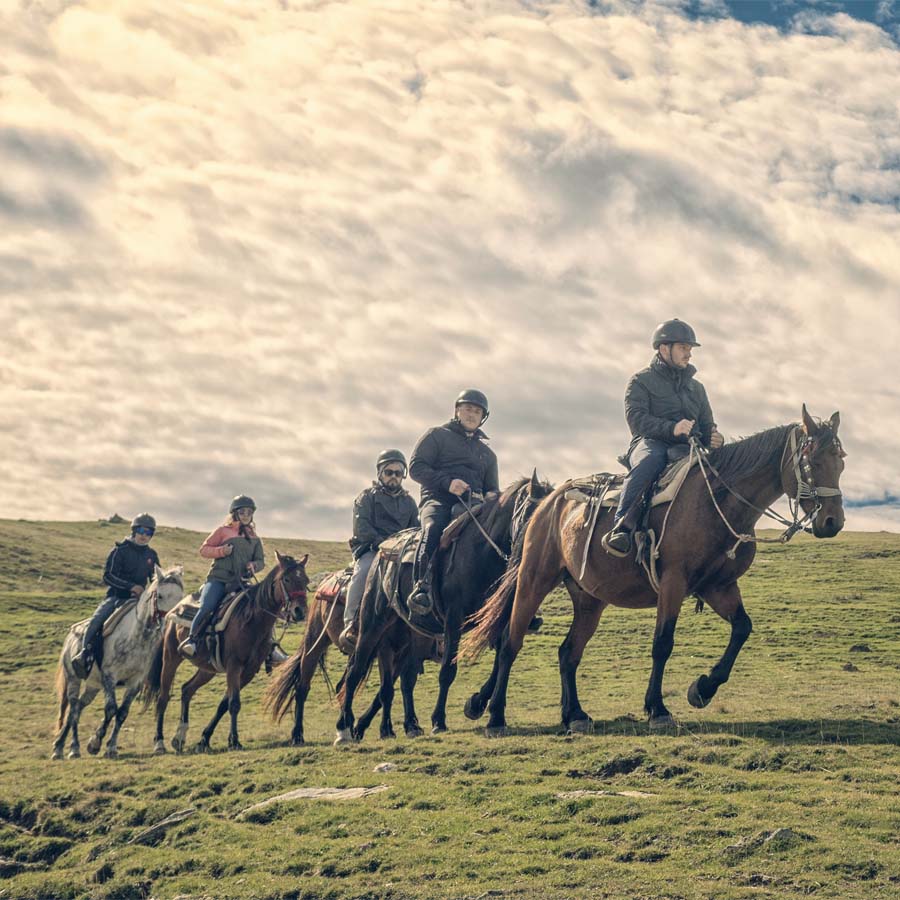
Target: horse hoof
x,y
178,745
93,746
159,748
297,741
695,698
344,738
414,731
581,726
201,747
439,729
663,724
74,753
236,745
57,753
473,709
111,753
496,731
385,736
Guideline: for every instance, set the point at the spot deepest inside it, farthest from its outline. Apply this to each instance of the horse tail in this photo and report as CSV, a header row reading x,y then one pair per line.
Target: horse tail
x,y
153,681
279,695
62,693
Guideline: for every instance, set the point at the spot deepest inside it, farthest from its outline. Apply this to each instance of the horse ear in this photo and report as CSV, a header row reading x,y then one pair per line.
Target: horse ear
x,y
278,557
809,426
158,572
303,561
835,421
535,482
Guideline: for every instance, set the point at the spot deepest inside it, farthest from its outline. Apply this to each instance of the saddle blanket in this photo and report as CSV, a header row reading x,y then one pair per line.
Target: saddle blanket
x,y
109,626
583,490
333,588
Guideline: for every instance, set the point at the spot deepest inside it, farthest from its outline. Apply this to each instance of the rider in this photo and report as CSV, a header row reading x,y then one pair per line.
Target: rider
x,y
664,407
237,553
129,567
450,461
378,512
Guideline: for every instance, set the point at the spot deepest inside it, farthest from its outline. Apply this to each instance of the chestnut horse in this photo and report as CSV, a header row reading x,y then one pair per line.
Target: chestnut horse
x,y
708,544
247,641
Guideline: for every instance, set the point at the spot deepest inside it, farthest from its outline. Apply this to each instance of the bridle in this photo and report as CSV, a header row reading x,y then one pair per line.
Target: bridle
x,y
523,501
288,597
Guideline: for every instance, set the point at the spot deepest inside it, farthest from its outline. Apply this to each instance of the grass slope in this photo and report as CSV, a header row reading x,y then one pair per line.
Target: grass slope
x,y
785,786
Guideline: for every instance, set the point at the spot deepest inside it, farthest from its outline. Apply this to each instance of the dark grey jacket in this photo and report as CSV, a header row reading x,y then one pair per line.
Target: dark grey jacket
x,y
660,396
447,452
127,564
377,515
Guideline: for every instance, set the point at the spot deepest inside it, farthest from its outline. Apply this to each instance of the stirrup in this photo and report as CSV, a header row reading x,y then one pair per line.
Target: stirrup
x,y
420,601
188,647
613,541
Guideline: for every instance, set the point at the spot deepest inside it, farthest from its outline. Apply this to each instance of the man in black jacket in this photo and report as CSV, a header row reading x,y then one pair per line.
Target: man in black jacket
x,y
450,461
664,406
378,512
129,567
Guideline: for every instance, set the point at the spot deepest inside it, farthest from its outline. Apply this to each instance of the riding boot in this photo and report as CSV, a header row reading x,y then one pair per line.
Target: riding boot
x,y
348,637
276,657
617,541
420,600
188,647
83,662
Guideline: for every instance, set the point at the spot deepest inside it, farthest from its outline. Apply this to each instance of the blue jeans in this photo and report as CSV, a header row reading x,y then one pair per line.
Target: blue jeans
x,y
109,605
648,458
357,584
211,595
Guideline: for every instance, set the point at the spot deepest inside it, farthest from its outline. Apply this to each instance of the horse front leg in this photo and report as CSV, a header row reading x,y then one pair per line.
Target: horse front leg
x,y
109,713
409,675
171,660
447,675
188,689
235,682
727,603
112,745
378,703
671,596
357,667
587,616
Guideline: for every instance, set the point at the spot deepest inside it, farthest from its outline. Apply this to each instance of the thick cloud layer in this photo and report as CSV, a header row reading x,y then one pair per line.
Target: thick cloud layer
x,y
243,249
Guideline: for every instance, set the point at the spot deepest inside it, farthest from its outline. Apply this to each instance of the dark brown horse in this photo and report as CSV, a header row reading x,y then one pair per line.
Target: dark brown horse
x,y
709,544
400,655
247,641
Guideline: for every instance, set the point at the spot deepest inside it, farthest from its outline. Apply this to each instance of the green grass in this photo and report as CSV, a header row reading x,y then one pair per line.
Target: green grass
x,y
804,738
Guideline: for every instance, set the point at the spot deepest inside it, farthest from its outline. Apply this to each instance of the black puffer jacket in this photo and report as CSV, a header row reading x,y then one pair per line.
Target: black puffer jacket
x,y
128,564
377,514
449,452
660,396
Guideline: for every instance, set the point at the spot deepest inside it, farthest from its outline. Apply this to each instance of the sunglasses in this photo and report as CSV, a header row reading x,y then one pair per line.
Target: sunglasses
x,y
142,530
393,473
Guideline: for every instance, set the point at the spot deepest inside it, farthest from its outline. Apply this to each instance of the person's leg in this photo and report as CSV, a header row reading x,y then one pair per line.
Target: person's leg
x,y
648,459
435,517
83,660
355,590
210,597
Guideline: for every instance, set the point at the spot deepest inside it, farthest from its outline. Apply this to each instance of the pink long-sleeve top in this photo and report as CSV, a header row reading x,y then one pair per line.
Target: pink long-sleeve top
x,y
214,546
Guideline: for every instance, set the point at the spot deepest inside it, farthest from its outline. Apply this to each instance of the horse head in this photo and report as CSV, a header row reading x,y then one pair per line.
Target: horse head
x,y
813,474
523,497
169,588
294,581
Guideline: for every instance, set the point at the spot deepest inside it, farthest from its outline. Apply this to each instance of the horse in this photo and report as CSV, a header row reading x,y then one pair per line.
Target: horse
x,y
246,642
127,653
464,578
707,542
292,681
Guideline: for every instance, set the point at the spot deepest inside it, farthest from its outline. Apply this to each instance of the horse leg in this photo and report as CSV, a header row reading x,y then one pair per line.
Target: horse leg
x,y
311,656
234,677
357,667
671,596
188,689
409,675
171,659
378,703
728,604
476,704
587,615
112,745
109,713
72,687
447,675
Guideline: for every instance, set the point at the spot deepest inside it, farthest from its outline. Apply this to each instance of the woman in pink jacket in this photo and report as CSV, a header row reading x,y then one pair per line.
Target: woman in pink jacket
x,y
236,553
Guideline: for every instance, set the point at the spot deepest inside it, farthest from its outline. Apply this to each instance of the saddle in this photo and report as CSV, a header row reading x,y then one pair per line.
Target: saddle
x,y
333,588
607,487
109,626
187,609
398,550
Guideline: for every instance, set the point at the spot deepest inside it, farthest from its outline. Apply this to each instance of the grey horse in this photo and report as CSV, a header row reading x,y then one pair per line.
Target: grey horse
x,y
127,654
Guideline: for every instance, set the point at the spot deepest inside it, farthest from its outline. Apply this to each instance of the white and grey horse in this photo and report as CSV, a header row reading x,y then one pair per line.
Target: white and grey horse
x,y
127,654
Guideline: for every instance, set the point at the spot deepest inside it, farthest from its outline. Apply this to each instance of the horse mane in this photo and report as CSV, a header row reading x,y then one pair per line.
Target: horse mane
x,y
749,455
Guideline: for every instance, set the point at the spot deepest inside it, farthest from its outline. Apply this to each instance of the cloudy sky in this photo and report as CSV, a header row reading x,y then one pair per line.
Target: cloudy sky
x,y
246,246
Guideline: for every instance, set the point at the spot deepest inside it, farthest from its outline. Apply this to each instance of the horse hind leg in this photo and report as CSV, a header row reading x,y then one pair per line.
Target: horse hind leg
x,y
169,663
382,701
728,604
318,644
587,615
112,745
409,675
67,706
188,689
110,708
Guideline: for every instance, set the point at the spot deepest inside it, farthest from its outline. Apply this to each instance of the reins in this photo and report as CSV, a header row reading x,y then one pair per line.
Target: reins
x,y
487,537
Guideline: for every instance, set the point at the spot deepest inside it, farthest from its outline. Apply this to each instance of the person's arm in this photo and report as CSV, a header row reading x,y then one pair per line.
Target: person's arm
x,y
423,466
213,547
492,476
413,519
112,572
258,560
705,422
365,537
641,421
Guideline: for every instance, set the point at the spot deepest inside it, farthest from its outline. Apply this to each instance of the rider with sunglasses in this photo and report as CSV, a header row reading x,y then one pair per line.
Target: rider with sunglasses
x,y
129,566
378,512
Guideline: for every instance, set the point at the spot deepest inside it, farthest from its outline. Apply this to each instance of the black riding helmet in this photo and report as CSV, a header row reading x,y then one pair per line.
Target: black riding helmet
x,y
476,398
674,331
240,502
389,456
144,520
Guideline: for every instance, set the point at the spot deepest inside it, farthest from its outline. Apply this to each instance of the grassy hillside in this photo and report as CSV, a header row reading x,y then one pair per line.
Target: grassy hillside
x,y
785,786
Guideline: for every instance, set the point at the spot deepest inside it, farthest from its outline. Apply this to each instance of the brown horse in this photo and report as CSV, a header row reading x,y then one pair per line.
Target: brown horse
x,y
708,544
247,640
400,654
